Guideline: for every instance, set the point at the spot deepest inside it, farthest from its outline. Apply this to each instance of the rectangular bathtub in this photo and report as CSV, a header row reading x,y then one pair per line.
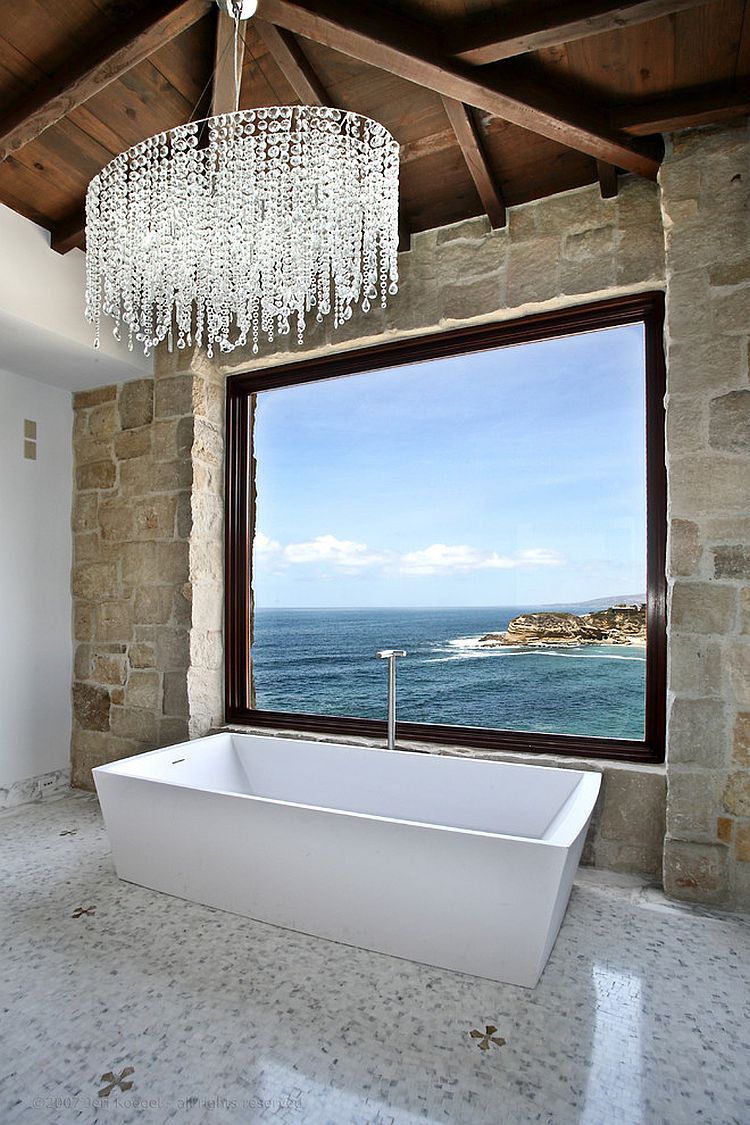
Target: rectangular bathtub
x,y
461,863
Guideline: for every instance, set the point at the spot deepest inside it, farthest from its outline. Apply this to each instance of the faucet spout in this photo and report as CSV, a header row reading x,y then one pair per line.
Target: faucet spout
x,y
390,655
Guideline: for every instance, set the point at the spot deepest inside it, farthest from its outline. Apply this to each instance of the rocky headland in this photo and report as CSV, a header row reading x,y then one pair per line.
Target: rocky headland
x,y
618,625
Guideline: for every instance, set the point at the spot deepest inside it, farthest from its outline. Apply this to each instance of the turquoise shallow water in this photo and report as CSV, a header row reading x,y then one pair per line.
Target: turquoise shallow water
x,y
322,661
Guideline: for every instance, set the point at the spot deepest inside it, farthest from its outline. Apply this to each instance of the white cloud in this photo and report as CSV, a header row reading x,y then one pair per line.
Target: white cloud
x,y
442,559
265,546
438,558
328,549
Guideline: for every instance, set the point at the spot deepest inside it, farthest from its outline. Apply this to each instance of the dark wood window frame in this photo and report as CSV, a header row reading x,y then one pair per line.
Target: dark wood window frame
x,y
646,308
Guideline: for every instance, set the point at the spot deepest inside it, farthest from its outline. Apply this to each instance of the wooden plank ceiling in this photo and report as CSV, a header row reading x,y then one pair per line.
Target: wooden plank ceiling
x,y
494,102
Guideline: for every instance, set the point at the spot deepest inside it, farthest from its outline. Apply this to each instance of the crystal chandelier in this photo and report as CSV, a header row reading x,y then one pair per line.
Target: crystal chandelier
x,y
242,225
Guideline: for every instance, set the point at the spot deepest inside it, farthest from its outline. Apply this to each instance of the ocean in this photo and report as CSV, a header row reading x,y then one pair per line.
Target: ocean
x,y
323,662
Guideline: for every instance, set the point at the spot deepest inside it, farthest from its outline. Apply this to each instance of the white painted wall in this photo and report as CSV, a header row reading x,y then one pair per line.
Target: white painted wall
x,y
35,556
43,331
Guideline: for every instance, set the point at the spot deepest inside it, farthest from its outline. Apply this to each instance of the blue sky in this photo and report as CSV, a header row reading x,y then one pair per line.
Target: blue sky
x,y
510,477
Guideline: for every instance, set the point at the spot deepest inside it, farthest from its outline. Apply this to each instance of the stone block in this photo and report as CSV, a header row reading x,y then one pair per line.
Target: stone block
x,y
705,483
632,806
732,562
173,562
172,649
742,843
114,621
730,312
729,421
170,476
592,244
97,474
82,400
172,730
173,395
182,606
108,668
416,304
692,801
143,690
741,739
736,798
697,731
703,607
142,655
588,276
582,208
686,424
208,442
738,666
208,605
116,520
698,366
730,273
136,404
472,297
533,272
154,518
153,605
175,694
82,661
95,581
685,548
745,609
724,829
206,649
91,706
84,619
688,305
103,421
696,872
140,566
184,517
471,257
88,450
85,512
206,560
133,443
641,255
136,723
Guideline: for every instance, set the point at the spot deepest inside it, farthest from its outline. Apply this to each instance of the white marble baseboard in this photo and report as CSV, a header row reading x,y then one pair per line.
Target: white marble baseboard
x,y
35,789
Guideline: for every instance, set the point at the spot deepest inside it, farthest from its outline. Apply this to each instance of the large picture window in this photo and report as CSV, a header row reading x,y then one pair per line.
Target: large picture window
x,y
491,500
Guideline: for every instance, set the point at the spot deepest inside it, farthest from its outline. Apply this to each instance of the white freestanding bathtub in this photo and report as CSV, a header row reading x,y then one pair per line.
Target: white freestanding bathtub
x,y
461,863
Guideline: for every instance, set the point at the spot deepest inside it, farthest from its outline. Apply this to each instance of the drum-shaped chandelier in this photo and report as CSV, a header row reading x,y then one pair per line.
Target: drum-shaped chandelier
x,y
242,225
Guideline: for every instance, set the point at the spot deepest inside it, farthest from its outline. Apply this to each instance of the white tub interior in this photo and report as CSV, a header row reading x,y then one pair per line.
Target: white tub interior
x,y
482,796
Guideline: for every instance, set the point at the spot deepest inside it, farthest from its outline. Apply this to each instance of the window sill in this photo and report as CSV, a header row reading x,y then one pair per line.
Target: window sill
x,y
519,756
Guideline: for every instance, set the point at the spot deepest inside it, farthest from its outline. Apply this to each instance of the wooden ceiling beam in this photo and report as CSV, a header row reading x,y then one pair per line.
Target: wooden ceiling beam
x,y
607,176
706,105
481,173
412,52
88,73
69,233
227,57
293,63
502,36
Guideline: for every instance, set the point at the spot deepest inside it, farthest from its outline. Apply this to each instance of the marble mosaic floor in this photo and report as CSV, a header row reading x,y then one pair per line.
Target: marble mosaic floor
x,y
122,1005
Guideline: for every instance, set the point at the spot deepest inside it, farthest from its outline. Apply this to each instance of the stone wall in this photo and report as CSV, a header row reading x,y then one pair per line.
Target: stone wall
x,y
147,521
147,594
705,183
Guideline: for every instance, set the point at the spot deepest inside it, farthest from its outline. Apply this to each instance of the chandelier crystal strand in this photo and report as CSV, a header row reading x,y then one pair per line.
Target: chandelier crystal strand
x,y
280,215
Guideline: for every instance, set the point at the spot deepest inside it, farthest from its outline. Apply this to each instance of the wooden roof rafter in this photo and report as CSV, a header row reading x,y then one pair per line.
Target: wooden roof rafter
x,y
408,50
480,171
504,35
87,74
